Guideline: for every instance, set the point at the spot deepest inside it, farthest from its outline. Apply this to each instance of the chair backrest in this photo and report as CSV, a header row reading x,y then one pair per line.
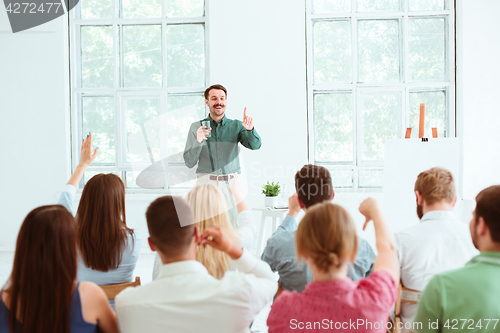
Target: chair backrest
x,y
278,292
405,295
410,295
112,290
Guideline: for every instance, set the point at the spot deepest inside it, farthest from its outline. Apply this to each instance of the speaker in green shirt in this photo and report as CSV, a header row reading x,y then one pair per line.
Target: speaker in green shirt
x,y
215,149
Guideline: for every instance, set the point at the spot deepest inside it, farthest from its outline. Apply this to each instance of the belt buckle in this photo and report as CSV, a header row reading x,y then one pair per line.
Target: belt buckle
x,y
218,177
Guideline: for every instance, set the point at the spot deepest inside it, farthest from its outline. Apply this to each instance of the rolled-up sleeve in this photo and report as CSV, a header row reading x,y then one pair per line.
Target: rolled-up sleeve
x,y
249,139
260,279
193,148
66,198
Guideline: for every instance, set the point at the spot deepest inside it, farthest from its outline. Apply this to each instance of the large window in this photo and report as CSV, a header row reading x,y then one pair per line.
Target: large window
x,y
371,63
138,72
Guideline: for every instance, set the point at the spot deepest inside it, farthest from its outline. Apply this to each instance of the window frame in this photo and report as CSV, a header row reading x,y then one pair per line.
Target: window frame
x,y
119,92
403,16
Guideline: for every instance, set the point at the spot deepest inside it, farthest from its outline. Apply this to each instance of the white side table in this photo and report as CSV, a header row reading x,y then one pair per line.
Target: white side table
x,y
275,214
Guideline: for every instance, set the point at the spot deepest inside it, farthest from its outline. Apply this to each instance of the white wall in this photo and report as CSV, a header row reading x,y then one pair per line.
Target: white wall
x,y
257,50
33,121
478,109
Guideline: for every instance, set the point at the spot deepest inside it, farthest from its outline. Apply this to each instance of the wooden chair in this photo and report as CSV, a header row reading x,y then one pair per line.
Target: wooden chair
x,y
405,295
112,290
278,292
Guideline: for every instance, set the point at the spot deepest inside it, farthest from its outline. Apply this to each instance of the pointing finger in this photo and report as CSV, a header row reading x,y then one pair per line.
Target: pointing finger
x,y
245,113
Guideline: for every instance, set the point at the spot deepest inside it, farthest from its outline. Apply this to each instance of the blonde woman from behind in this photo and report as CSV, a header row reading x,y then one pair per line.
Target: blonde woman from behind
x,y
210,210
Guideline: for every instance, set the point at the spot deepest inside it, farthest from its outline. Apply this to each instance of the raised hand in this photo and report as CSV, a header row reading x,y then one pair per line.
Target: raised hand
x,y
86,156
236,189
370,209
293,205
217,238
201,133
247,121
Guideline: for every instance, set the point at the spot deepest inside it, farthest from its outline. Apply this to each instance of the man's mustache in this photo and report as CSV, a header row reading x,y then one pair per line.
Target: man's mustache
x,y
217,105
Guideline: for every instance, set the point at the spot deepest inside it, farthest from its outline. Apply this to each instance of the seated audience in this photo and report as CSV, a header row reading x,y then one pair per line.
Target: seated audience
x,y
108,249
326,239
210,210
440,242
42,294
314,185
469,293
185,297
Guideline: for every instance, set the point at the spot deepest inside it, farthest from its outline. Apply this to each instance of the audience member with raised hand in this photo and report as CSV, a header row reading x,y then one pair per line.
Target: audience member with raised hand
x,y
185,297
466,299
108,248
440,242
313,184
42,294
247,227
326,239
210,210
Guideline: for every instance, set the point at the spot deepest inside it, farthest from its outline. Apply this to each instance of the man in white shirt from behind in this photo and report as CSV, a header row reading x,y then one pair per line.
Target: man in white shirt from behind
x,y
185,298
440,242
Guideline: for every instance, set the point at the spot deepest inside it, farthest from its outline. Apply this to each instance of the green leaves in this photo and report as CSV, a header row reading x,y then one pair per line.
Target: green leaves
x,y
271,189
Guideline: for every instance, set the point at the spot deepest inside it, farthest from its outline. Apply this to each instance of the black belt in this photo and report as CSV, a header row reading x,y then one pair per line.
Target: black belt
x,y
221,178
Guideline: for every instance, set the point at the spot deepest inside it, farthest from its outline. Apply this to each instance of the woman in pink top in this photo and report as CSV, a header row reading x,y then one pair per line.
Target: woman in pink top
x,y
326,239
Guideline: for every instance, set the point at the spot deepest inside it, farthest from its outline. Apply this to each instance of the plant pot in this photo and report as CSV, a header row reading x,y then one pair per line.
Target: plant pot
x,y
270,201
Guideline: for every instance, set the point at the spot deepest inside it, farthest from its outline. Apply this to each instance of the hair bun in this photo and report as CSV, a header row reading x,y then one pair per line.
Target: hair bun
x,y
333,259
325,260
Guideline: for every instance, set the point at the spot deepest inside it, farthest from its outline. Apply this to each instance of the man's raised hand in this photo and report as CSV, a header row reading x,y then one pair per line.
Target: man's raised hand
x,y
216,238
247,121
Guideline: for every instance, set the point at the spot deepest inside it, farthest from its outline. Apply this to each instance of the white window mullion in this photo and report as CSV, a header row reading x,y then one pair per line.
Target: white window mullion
x,y
164,54
164,96
402,42
164,43
354,131
76,119
119,147
402,114
311,158
355,99
118,58
450,58
359,132
207,38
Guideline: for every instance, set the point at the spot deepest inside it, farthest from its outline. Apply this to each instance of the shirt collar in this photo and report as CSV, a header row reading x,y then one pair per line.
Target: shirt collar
x,y
438,215
337,286
181,268
213,123
487,257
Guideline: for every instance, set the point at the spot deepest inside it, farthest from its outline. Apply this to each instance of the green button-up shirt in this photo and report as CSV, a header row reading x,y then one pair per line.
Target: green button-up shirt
x,y
462,300
219,153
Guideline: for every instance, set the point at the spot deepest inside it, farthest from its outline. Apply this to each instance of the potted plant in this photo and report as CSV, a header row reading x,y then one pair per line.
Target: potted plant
x,y
271,190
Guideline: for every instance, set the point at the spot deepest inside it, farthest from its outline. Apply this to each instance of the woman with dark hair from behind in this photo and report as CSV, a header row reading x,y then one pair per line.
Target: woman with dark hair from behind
x,y
42,294
326,239
108,249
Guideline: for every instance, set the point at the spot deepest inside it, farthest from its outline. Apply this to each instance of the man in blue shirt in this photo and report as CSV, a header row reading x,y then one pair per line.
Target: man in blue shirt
x,y
313,185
